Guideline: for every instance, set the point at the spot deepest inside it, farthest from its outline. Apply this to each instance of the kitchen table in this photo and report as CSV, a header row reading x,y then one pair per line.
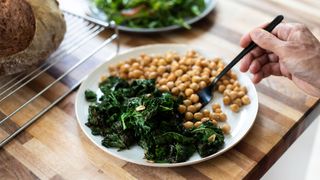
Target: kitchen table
x,y
54,147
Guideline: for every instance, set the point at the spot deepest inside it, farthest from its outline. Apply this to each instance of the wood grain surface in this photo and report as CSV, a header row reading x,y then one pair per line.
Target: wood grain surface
x,y
54,147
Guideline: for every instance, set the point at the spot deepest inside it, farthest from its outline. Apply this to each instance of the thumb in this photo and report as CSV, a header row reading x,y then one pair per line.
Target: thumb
x,y
266,40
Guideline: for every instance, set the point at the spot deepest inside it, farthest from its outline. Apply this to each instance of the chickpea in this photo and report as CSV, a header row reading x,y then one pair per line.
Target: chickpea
x,y
125,68
202,84
232,81
172,77
236,83
196,68
233,76
226,128
185,78
161,69
215,106
244,89
177,82
191,53
170,84
212,65
182,87
178,72
142,77
175,91
191,73
198,116
221,88
187,83
197,124
237,89
153,68
194,86
189,61
198,106
188,116
218,110
207,70
194,98
188,92
137,73
174,66
152,75
155,61
188,124
162,81
214,73
135,65
184,68
203,63
220,65
229,86
196,79
229,73
164,88
162,62
204,119
226,100
206,113
192,108
238,102
214,122
146,60
233,95
187,102
198,62
234,107
222,117
214,116
225,82
245,100
182,109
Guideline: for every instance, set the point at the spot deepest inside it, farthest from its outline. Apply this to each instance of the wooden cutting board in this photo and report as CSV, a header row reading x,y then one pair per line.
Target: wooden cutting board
x,y
55,147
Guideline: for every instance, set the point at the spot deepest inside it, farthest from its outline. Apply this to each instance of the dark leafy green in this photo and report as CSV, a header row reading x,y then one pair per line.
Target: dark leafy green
x,y
137,112
90,96
151,13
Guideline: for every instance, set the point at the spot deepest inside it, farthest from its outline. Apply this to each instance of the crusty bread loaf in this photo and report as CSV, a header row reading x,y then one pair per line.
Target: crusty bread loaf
x,y
49,31
17,26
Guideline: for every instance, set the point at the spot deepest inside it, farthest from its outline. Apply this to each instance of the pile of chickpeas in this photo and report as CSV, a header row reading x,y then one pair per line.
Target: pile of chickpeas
x,y
185,76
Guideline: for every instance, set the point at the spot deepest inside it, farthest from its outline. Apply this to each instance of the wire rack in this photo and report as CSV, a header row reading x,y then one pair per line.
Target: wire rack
x,y
26,97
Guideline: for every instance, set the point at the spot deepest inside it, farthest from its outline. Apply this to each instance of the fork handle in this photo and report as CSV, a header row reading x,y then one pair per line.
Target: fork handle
x,y
246,50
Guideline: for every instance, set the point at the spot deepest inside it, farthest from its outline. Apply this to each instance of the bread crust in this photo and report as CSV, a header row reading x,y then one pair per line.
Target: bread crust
x,y
17,26
49,33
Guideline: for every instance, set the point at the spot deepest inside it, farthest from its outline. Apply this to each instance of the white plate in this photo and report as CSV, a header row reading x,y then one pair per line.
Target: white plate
x,y
96,13
240,122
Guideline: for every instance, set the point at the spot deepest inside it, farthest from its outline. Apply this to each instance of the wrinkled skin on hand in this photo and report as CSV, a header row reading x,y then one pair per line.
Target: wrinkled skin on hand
x,y
291,50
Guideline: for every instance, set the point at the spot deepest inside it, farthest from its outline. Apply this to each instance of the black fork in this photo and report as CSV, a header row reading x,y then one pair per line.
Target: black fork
x,y
206,94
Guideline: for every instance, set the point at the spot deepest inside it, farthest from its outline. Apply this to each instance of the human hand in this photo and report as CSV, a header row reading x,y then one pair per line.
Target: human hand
x,y
291,50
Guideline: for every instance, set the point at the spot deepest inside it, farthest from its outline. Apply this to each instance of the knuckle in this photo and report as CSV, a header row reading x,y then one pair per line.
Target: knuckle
x,y
300,27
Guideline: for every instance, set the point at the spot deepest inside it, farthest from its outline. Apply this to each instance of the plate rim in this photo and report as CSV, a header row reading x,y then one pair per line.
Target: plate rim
x,y
186,163
212,4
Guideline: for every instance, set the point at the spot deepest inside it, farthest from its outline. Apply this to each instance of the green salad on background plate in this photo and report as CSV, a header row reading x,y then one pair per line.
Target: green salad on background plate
x,y
151,15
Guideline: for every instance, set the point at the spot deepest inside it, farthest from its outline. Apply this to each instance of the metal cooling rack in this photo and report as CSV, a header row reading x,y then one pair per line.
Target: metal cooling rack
x,y
65,67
